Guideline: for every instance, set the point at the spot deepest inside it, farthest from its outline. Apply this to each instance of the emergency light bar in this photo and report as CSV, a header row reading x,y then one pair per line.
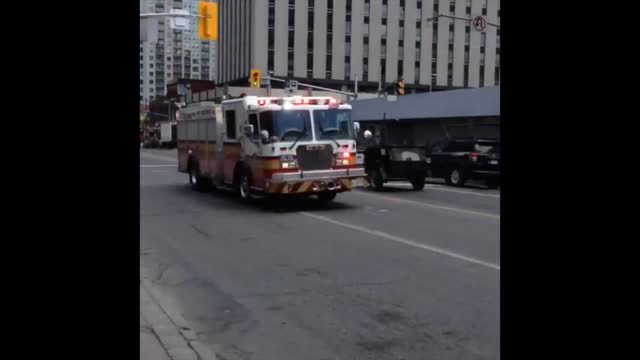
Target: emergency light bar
x,y
299,101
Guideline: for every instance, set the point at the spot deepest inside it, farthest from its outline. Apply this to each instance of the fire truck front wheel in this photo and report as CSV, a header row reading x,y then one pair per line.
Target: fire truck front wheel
x,y
326,196
244,183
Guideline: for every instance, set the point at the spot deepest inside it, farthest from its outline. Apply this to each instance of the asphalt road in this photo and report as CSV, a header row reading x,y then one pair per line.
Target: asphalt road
x,y
391,275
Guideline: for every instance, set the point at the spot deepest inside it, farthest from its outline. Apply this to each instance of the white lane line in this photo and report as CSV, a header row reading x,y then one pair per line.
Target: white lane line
x,y
434,206
158,165
159,157
444,188
404,241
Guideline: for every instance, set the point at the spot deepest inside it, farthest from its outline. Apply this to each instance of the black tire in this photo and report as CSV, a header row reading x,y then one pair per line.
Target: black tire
x,y
376,181
195,179
493,184
455,177
417,183
326,196
244,185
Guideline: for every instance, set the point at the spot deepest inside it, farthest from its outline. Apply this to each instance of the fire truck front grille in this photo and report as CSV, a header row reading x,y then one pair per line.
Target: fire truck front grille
x,y
314,157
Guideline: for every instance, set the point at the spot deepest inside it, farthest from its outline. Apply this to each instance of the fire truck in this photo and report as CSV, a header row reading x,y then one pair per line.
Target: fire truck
x,y
264,146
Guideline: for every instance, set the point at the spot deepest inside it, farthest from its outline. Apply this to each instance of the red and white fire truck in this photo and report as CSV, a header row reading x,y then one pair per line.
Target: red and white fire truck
x,y
270,145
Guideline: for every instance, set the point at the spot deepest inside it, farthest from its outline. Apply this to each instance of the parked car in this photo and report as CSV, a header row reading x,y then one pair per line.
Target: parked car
x,y
390,162
460,159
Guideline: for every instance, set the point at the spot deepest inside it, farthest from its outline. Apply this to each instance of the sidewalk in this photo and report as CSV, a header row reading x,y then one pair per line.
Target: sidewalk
x,y
164,338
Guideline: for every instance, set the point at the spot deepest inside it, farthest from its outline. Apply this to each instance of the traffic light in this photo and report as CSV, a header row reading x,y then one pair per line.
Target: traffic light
x,y
400,87
255,79
208,21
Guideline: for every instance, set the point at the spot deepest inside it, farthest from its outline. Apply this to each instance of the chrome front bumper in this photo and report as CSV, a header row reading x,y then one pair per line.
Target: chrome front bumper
x,y
318,175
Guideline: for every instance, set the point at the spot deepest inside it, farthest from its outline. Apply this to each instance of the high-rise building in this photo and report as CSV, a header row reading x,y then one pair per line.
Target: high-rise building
x,y
172,54
330,42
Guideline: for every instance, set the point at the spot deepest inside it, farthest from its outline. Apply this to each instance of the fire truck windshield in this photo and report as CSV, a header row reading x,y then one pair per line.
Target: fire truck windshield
x,y
333,123
287,125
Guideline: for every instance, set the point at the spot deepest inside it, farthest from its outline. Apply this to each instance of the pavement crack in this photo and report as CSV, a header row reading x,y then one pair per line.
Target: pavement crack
x,y
161,273
201,232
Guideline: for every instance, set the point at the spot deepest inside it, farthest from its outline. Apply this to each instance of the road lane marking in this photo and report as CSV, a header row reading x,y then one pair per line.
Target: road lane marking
x,y
404,241
429,205
159,157
158,165
444,188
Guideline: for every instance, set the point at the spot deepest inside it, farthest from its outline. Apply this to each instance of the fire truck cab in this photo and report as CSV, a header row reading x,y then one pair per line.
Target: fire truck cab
x,y
270,146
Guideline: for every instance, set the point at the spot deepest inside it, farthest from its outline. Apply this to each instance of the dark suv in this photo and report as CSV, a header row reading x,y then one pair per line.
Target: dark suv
x,y
462,159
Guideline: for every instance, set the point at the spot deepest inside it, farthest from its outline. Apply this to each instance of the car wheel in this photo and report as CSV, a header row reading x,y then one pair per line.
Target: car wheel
x,y
376,180
493,184
455,178
417,183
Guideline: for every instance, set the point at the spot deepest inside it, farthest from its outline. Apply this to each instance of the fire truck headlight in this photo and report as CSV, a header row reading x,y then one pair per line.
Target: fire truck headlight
x,y
289,165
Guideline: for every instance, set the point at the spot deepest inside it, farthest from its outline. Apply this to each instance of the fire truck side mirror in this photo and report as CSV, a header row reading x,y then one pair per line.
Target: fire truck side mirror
x,y
356,127
248,130
367,134
264,135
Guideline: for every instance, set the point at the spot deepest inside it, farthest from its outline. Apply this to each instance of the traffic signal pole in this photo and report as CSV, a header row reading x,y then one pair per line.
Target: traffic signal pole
x,y
152,15
269,79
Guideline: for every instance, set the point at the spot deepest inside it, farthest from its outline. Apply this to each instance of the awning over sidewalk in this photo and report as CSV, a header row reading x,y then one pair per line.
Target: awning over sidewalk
x,y
479,102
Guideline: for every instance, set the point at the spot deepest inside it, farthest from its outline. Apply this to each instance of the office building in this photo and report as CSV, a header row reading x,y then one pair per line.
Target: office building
x,y
330,42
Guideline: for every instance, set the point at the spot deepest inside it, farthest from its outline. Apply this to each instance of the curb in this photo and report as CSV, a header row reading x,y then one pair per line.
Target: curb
x,y
175,335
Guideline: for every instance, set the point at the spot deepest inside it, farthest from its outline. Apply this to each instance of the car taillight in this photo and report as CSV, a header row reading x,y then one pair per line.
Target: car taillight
x,y
473,156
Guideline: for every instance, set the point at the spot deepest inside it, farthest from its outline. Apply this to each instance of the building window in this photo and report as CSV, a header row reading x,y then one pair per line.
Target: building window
x,y
366,19
384,21
419,4
484,11
290,63
466,54
400,69
466,76
434,52
497,76
270,53
481,75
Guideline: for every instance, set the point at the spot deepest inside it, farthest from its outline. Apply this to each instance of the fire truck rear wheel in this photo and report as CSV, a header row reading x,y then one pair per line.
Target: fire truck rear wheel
x,y
244,186
326,196
194,177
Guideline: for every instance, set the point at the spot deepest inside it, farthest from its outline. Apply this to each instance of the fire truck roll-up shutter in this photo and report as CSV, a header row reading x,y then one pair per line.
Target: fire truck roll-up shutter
x,y
202,130
182,130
